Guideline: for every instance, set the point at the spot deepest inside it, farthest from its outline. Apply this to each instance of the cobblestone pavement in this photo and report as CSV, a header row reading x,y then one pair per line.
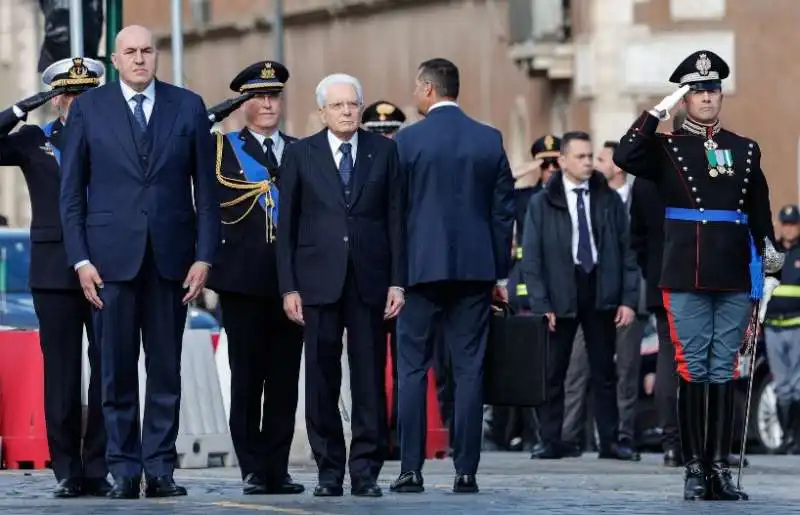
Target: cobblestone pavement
x,y
510,483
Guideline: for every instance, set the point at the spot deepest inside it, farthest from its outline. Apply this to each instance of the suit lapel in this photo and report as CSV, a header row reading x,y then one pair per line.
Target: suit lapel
x,y
121,127
162,122
364,157
325,164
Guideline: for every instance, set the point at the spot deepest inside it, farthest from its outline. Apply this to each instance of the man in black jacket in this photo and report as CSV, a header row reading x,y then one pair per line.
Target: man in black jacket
x,y
62,310
580,270
264,347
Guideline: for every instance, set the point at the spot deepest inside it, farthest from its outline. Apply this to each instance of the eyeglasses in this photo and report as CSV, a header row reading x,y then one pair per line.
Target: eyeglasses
x,y
549,163
338,106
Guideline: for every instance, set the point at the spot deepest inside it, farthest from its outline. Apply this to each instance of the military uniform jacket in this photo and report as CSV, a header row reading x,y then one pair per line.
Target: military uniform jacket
x,y
30,150
697,256
246,262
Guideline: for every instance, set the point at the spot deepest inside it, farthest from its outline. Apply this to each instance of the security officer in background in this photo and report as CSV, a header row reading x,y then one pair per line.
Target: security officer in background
x,y
60,305
782,333
532,177
383,117
264,347
717,231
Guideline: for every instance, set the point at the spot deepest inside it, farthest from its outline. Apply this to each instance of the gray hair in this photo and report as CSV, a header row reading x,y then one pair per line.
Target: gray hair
x,y
338,78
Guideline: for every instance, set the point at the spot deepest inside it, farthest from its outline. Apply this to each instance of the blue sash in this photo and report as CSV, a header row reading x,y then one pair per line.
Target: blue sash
x,y
48,131
716,215
255,172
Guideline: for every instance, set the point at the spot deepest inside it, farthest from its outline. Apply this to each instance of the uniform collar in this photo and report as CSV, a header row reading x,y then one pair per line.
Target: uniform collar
x,y
698,129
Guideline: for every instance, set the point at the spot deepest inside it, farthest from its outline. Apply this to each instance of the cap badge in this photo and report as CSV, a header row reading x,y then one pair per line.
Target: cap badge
x,y
268,72
548,142
384,110
703,65
788,211
78,69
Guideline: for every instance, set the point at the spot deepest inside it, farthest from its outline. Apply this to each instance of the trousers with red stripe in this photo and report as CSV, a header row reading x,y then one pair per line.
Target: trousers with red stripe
x,y
706,329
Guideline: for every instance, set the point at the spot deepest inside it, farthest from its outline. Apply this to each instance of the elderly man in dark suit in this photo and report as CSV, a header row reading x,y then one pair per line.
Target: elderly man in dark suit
x,y
137,151
460,222
341,263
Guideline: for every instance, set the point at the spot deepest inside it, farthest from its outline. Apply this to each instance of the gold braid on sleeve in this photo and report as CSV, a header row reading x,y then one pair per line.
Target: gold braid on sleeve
x,y
251,191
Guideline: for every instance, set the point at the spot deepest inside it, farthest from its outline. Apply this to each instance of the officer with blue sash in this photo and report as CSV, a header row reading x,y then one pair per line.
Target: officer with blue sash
x,y
717,228
264,347
62,309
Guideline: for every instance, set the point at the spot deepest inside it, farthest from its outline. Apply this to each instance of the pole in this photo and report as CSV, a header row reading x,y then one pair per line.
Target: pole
x,y
177,43
76,28
277,26
113,26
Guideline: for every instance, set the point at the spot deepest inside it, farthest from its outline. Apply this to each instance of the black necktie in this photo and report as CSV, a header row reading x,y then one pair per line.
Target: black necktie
x,y
584,238
272,161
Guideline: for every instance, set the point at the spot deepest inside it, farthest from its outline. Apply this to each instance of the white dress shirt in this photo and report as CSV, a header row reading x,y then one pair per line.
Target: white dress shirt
x,y
149,98
624,192
336,143
278,144
572,205
443,103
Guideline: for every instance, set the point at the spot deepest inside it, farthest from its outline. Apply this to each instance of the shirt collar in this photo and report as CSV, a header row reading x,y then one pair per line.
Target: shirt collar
x,y
443,103
570,186
149,92
624,191
275,137
335,142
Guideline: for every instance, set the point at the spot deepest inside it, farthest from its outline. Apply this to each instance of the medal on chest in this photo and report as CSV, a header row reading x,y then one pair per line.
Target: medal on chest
x,y
720,161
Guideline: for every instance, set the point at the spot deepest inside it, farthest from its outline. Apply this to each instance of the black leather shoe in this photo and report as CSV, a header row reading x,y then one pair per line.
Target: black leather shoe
x,y
254,485
694,482
367,490
619,451
547,451
408,483
96,486
671,458
286,486
328,491
722,486
126,488
465,484
163,486
68,488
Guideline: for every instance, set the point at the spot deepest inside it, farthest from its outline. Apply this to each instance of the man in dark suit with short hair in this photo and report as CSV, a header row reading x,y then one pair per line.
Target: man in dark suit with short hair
x,y
141,225
341,263
460,221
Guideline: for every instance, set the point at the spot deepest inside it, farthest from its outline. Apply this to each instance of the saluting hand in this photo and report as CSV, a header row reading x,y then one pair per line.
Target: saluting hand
x,y
293,306
395,301
90,281
195,281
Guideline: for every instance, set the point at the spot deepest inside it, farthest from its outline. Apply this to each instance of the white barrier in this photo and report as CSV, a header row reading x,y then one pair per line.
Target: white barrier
x,y
224,372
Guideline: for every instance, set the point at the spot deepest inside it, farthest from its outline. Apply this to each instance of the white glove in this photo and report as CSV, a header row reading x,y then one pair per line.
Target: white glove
x,y
662,109
770,283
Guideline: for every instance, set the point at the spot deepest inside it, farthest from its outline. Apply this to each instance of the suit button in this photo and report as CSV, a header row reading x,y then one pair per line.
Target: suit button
x,y
144,212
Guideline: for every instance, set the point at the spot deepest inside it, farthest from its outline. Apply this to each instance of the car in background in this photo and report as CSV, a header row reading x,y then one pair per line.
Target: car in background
x,y
16,302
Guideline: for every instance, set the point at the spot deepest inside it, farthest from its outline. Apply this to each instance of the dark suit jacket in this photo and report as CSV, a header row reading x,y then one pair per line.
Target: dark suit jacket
x,y
246,262
130,201
647,235
460,214
320,233
27,149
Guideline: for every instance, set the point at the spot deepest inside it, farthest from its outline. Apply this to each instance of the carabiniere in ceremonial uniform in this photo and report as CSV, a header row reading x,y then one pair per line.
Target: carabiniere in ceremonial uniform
x,y
264,347
718,226
62,309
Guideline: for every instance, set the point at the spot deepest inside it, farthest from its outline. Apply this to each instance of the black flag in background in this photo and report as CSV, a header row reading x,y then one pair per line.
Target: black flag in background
x,y
56,30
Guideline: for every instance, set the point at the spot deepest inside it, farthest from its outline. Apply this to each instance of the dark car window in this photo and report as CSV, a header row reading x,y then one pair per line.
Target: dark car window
x,y
15,258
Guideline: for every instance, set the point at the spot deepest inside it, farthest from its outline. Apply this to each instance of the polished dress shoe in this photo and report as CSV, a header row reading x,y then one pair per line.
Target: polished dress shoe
x,y
163,486
366,490
671,458
619,451
465,484
68,488
328,491
96,487
285,486
254,485
408,483
548,451
125,488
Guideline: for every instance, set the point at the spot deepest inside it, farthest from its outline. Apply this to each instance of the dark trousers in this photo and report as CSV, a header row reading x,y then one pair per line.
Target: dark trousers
x,y
62,316
264,349
458,312
600,335
666,393
150,304
366,353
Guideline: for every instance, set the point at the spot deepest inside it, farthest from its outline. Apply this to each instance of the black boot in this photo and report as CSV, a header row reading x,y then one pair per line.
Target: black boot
x,y
720,440
785,418
691,420
794,424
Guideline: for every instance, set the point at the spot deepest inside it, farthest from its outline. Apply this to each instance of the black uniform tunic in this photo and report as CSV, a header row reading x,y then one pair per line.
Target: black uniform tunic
x,y
698,256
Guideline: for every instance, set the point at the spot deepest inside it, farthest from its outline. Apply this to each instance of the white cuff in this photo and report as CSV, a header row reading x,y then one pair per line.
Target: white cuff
x,y
19,112
81,263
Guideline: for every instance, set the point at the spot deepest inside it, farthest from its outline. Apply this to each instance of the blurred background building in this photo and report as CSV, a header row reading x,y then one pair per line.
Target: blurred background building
x,y
528,66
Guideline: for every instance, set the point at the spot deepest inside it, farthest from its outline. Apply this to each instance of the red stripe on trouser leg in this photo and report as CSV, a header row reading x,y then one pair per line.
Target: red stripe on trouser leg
x,y
680,358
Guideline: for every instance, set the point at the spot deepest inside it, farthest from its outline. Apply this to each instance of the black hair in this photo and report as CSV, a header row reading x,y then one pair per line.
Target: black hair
x,y
442,75
573,136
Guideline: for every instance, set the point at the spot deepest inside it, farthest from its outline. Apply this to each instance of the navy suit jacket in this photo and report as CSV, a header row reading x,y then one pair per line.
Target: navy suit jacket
x,y
320,234
460,212
112,202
